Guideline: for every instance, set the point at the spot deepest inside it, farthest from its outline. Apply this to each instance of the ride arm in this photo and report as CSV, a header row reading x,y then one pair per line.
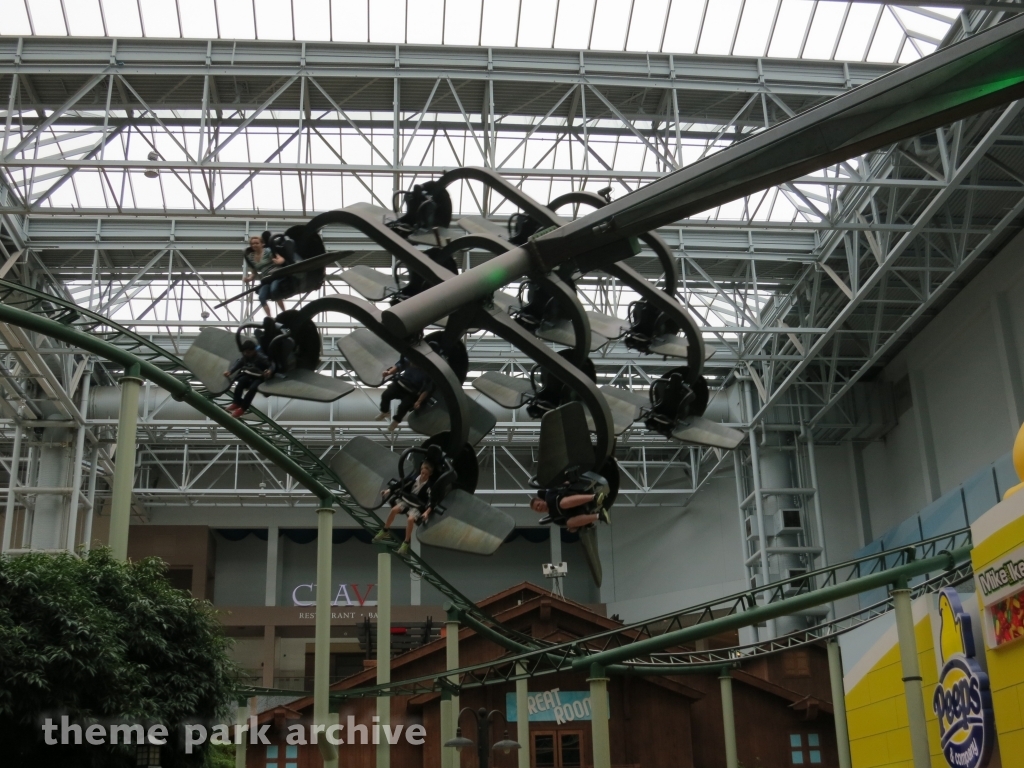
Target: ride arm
x,y
975,74
501,325
671,307
420,355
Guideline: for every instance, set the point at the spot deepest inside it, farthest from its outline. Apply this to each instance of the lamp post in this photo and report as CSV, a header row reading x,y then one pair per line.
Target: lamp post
x,y
484,719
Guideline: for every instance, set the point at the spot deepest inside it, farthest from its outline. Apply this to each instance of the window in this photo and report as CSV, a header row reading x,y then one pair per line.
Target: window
x,y
147,756
805,749
291,753
558,749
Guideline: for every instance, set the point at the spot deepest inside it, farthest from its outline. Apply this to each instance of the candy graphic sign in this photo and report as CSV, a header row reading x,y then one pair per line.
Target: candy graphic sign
x,y
962,700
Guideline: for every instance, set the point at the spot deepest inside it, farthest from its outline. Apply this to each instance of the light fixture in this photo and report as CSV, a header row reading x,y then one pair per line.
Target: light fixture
x,y
152,173
459,741
506,745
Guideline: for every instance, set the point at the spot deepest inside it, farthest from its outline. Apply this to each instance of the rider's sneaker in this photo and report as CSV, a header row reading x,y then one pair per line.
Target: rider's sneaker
x,y
381,536
382,416
392,426
404,548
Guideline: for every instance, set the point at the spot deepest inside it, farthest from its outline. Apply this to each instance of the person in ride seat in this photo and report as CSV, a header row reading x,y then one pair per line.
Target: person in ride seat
x,y
419,486
410,385
569,510
276,252
260,260
248,371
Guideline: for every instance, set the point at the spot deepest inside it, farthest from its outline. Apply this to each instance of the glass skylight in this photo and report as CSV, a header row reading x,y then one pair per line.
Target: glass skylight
x,y
809,29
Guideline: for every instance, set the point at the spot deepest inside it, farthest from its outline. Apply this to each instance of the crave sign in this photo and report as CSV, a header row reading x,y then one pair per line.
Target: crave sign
x,y
962,700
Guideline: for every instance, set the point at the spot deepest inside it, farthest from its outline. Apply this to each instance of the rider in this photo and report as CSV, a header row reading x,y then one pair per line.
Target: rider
x,y
266,260
259,260
248,370
560,505
419,486
410,385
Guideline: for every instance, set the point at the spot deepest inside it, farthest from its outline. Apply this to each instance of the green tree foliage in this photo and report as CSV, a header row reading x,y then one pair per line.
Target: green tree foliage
x,y
94,638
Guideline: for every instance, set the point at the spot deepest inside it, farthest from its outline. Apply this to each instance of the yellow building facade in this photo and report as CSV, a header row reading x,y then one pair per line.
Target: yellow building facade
x,y
875,699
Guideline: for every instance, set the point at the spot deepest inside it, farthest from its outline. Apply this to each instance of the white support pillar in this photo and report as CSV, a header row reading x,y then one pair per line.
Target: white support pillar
x,y
599,717
93,470
241,732
522,718
728,720
911,677
322,636
755,473
11,493
76,468
835,671
383,650
273,543
124,463
451,638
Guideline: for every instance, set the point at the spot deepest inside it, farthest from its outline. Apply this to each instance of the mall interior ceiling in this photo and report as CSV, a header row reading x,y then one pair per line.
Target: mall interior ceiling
x,y
856,322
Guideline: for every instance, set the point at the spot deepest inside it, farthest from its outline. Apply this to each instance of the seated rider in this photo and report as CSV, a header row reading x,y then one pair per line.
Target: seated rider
x,y
266,261
260,260
410,385
569,510
248,371
419,486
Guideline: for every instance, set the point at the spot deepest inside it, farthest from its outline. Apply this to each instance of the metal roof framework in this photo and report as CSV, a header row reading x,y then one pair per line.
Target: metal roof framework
x,y
804,288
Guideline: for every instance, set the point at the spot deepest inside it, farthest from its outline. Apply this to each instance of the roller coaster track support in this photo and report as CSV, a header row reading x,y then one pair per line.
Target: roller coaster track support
x,y
893,577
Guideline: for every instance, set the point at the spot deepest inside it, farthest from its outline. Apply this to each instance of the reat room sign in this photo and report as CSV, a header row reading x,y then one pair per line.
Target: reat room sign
x,y
343,596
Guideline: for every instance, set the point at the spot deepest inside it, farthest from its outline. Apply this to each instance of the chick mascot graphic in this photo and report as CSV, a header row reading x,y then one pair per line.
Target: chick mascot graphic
x,y
962,700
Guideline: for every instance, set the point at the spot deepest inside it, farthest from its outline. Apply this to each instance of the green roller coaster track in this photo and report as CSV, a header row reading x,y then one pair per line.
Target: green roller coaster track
x,y
640,648
58,318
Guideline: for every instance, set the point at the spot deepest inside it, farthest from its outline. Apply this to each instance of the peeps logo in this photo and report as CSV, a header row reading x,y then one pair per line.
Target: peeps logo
x,y
962,700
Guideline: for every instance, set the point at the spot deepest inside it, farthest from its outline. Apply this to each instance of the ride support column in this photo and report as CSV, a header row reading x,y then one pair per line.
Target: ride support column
x,y
450,757
522,718
835,671
599,717
322,636
241,731
383,650
124,462
728,720
911,675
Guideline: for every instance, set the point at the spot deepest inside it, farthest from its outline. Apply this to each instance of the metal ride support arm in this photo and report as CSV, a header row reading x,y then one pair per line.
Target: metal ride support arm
x,y
653,240
503,187
568,301
409,255
664,299
497,322
421,355
971,76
